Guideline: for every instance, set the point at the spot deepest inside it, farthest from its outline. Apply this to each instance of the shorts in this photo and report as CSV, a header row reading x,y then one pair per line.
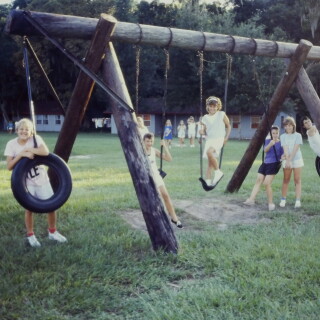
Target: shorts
x,y
294,164
191,135
216,144
269,169
42,192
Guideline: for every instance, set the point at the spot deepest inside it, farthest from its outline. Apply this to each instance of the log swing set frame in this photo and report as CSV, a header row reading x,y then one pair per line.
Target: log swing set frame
x,y
102,32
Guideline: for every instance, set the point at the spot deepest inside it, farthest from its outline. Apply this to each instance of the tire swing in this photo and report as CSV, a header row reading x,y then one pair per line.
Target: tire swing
x,y
59,173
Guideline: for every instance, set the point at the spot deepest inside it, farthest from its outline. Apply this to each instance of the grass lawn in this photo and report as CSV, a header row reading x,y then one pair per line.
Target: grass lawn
x,y
108,270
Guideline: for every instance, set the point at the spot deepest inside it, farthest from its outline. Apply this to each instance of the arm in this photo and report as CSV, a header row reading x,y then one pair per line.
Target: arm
x,y
166,155
228,128
42,150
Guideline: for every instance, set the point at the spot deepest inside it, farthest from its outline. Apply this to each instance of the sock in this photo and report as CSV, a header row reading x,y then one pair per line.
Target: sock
x,y
52,230
30,234
283,198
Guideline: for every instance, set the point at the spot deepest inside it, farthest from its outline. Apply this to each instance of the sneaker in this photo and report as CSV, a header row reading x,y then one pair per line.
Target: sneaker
x,y
249,202
282,203
217,177
177,223
56,236
209,182
33,241
297,204
271,206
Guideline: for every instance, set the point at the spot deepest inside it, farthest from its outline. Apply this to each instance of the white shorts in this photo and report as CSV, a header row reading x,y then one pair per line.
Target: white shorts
x,y
295,164
41,192
191,135
216,144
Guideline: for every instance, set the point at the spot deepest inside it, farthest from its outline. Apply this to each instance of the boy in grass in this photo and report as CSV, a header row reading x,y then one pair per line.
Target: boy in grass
x,y
268,169
37,181
216,127
152,153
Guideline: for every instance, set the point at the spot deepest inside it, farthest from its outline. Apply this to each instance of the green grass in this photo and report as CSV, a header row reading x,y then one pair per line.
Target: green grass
x,y
108,270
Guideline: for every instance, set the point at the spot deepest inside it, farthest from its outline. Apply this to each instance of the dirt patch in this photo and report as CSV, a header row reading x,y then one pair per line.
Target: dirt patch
x,y
221,213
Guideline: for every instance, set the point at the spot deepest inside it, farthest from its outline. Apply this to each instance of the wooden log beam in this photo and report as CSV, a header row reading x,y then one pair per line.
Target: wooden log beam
x,y
274,107
82,91
309,96
65,26
158,225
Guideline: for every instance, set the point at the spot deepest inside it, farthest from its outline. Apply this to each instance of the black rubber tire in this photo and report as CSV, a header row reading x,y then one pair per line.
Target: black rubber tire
x,y
317,163
60,178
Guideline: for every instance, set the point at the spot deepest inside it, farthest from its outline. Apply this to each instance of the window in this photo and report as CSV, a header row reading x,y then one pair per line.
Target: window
x,y
255,121
235,122
58,120
39,119
146,119
45,119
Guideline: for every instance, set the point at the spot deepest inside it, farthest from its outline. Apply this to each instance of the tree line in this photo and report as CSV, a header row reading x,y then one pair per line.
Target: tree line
x,y
251,80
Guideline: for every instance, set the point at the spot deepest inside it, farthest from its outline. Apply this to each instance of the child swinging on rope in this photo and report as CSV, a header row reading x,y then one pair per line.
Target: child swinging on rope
x,y
216,127
148,140
37,181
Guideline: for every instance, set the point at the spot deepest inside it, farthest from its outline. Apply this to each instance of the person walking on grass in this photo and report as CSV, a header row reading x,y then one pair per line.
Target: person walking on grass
x,y
293,161
216,127
313,135
152,153
181,133
268,169
38,183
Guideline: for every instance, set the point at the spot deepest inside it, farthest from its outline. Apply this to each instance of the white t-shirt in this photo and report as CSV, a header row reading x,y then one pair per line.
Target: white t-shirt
x,y
314,142
215,126
191,129
290,140
37,176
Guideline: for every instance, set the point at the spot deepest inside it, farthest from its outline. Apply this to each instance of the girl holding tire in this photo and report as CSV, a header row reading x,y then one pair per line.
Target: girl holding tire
x,y
37,180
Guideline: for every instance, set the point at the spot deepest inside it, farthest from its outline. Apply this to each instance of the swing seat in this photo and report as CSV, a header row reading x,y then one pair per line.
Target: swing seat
x,y
162,173
205,186
317,163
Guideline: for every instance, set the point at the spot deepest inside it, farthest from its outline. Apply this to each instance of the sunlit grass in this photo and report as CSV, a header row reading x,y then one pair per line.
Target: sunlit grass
x,y
107,270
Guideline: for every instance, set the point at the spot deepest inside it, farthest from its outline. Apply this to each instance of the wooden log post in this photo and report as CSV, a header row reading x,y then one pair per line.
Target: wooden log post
x,y
277,99
82,91
157,222
65,26
309,96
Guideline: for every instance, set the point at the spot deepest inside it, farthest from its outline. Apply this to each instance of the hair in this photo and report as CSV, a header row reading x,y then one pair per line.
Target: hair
x,y
25,122
290,120
274,128
303,119
213,100
148,136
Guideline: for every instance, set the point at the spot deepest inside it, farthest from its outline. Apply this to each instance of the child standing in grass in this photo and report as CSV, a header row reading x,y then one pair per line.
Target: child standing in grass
x,y
38,183
152,153
216,127
167,135
268,169
291,141
191,131
141,127
181,133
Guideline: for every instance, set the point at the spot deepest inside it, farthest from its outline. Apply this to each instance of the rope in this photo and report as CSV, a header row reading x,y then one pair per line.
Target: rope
x,y
200,71
31,105
165,94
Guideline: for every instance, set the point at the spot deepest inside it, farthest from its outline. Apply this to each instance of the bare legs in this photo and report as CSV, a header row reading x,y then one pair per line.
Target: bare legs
x,y
28,218
168,203
286,181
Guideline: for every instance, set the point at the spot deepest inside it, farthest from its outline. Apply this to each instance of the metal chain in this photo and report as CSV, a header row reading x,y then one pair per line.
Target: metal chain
x,y
138,52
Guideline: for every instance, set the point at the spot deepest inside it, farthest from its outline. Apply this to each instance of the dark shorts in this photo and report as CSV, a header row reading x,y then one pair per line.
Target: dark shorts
x,y
268,169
